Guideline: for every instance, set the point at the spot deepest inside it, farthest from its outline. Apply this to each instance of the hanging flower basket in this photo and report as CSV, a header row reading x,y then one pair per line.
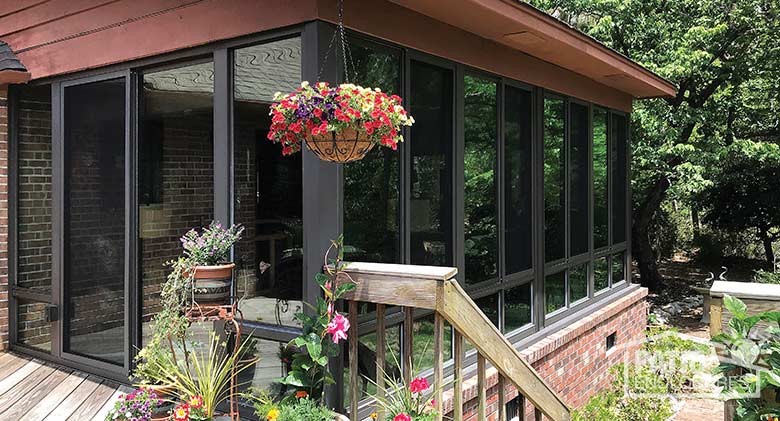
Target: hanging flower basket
x,y
338,124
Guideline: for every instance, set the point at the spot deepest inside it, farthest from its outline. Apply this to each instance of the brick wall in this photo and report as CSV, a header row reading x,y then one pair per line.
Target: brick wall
x,y
573,361
3,218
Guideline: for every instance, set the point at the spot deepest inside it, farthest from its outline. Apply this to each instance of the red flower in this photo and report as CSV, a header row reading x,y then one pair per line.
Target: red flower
x,y
402,417
196,401
317,112
287,150
181,413
418,385
278,118
296,127
271,135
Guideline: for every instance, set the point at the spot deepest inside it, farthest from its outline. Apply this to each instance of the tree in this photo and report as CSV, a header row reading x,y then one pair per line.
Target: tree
x,y
746,194
709,49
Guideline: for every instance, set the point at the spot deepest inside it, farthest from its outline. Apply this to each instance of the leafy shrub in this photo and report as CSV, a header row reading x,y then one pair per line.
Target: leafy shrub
x,y
614,406
303,409
766,277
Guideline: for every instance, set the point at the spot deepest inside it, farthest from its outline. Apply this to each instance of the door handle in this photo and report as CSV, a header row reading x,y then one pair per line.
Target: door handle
x,y
52,313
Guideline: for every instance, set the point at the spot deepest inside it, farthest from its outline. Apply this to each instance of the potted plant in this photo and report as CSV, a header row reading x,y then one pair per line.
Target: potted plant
x,y
207,253
140,405
339,124
406,402
298,407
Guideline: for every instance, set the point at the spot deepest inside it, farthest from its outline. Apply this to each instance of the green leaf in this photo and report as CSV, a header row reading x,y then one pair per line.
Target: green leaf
x,y
735,306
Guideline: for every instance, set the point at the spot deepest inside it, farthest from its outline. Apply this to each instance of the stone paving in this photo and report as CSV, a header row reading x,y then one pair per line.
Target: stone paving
x,y
700,409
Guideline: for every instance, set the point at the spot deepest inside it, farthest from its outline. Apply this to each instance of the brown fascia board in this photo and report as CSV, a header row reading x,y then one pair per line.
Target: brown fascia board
x,y
523,27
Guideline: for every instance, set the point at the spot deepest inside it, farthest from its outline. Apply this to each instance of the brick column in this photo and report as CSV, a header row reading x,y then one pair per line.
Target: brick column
x,y
4,290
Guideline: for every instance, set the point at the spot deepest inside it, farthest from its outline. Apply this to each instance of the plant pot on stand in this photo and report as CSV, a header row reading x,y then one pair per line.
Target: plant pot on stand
x,y
212,285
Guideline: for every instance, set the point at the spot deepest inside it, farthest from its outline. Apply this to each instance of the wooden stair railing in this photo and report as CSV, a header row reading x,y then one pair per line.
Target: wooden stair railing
x,y
433,288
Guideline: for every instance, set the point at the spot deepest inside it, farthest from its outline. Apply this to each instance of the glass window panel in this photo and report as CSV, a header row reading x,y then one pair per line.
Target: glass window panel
x,y
618,268
489,306
517,307
579,142
367,361
600,183
268,191
175,170
554,292
554,179
578,283
431,201
32,329
371,196
33,196
94,225
517,161
480,131
267,370
422,344
619,177
601,274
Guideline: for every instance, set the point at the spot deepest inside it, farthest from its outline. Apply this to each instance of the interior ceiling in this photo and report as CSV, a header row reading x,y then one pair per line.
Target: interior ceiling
x,y
524,28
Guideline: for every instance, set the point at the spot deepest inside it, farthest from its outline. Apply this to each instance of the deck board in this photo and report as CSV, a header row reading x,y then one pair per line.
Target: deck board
x,y
33,390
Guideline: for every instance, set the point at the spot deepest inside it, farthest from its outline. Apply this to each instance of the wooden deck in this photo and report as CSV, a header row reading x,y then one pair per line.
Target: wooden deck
x,y
33,390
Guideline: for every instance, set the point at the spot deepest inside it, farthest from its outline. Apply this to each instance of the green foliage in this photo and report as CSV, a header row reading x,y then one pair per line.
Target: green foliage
x,y
292,409
614,406
766,277
752,365
314,347
667,339
414,400
212,245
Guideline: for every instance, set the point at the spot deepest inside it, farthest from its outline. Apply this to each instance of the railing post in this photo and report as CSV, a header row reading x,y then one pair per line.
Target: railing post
x,y
438,364
481,384
380,358
353,362
407,343
501,397
457,398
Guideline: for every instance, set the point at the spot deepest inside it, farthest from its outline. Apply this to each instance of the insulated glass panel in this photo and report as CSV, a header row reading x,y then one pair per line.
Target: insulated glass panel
x,y
517,307
601,274
554,292
600,183
554,180
266,371
480,131
268,188
579,142
618,272
489,306
367,361
431,202
578,283
619,177
94,225
175,170
423,346
371,196
517,172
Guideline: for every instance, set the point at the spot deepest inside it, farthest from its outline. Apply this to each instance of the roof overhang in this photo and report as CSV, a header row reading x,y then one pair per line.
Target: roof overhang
x,y
11,69
522,27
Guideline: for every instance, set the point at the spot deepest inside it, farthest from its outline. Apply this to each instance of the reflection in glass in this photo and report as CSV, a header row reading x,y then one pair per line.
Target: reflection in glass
x,y
517,161
431,165
175,170
367,361
422,344
33,195
371,198
554,292
578,283
489,306
619,173
268,188
601,274
268,368
618,268
600,186
32,328
480,131
517,307
554,179
94,225
579,217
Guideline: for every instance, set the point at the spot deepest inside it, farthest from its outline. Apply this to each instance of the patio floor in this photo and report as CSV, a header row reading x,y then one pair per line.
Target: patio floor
x,y
33,390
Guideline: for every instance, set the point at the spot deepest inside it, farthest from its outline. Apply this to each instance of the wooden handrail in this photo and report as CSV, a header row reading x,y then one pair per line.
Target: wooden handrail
x,y
433,288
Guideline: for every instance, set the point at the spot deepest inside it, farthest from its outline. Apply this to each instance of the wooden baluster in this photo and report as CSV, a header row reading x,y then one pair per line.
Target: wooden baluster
x,y
380,358
353,362
481,384
457,398
501,397
438,364
407,344
537,414
521,406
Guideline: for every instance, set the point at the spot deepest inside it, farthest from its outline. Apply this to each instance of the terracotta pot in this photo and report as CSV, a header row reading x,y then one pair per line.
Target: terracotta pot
x,y
345,146
213,284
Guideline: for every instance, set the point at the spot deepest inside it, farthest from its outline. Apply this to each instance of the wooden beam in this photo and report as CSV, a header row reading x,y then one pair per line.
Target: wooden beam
x,y
408,340
457,398
380,358
481,388
501,397
438,364
353,362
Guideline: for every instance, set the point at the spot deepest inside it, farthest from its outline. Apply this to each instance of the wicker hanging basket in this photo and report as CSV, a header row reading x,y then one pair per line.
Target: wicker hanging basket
x,y
347,145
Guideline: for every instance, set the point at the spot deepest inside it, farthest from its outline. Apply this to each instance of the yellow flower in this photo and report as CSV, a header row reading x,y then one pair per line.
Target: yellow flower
x,y
374,415
273,415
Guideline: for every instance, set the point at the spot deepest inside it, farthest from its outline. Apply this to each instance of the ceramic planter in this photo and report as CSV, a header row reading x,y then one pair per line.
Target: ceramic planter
x,y
345,146
213,284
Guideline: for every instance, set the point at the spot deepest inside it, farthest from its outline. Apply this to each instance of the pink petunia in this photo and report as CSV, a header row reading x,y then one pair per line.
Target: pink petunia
x,y
418,385
402,417
338,328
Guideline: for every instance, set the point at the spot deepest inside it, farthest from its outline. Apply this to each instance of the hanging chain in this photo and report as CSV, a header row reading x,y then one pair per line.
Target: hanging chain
x,y
346,52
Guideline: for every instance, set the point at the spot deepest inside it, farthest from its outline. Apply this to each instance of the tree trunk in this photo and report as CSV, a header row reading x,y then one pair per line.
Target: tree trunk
x,y
642,245
768,250
695,222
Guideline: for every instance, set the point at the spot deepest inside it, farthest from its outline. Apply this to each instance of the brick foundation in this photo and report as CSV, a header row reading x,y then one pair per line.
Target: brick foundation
x,y
574,361
3,218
